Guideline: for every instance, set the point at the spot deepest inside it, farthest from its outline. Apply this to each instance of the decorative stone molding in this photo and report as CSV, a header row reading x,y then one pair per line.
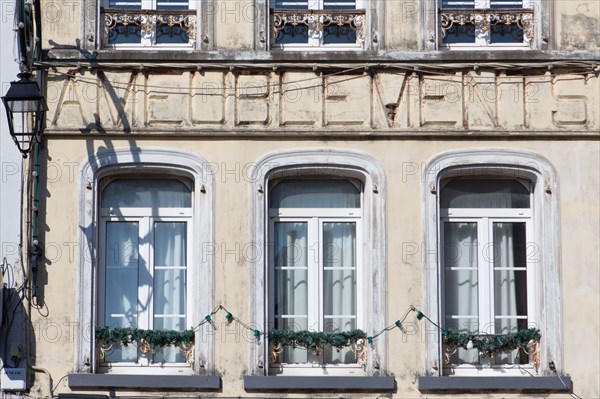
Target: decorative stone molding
x,y
316,21
485,19
148,21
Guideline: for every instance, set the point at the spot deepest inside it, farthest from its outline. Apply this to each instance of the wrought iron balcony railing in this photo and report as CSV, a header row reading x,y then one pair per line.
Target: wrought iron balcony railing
x,y
340,26
148,27
485,20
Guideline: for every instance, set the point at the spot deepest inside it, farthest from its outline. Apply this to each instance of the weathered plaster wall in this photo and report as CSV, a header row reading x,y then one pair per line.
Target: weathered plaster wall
x,y
576,162
577,25
384,102
62,24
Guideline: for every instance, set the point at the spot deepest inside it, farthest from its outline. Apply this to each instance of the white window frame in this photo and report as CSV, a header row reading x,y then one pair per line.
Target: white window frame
x,y
484,219
482,39
132,161
146,217
339,163
545,215
146,41
314,218
315,41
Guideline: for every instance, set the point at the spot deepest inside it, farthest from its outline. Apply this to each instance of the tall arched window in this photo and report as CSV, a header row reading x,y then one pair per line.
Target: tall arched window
x,y
315,262
144,263
492,253
489,262
318,217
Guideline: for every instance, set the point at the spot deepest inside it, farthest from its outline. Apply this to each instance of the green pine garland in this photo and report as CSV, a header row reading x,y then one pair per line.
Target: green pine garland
x,y
312,340
491,344
154,338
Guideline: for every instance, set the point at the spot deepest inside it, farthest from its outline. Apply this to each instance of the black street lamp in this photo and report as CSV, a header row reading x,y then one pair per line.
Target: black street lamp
x,y
26,111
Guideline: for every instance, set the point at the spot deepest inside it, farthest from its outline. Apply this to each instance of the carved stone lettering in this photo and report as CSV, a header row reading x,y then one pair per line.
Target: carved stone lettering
x,y
394,102
118,101
481,97
347,100
300,100
539,106
441,102
71,110
511,103
391,99
570,93
208,98
167,99
252,100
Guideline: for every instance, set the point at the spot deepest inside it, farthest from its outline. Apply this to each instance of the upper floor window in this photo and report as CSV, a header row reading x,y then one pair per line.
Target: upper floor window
x,y
301,24
144,23
145,265
490,23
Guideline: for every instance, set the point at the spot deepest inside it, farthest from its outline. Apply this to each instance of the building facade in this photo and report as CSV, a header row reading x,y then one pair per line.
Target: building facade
x,y
360,198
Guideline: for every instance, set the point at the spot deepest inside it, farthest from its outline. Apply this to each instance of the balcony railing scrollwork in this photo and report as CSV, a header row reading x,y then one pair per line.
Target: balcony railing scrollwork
x,y
149,25
317,23
483,20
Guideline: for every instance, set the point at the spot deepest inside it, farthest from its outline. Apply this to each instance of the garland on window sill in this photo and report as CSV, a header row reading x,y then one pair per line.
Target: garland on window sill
x,y
527,340
313,340
152,338
491,344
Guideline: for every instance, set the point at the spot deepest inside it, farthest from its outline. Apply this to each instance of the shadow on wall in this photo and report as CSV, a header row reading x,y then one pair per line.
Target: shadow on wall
x,y
15,345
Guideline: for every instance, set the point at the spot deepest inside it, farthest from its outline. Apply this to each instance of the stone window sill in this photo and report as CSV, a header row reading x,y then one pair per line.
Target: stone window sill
x,y
318,384
141,382
478,384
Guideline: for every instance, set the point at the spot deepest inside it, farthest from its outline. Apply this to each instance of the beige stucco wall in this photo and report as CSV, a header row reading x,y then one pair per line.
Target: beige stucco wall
x,y
574,24
555,114
578,169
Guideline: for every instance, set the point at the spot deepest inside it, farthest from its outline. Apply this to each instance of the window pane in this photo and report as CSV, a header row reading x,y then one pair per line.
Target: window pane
x,y
484,193
291,34
170,245
458,3
461,284
464,325
290,244
290,354
333,355
121,284
339,4
172,4
166,34
169,354
460,34
128,4
339,34
339,285
339,274
306,193
503,33
146,193
290,270
291,4
506,3
510,275
125,34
